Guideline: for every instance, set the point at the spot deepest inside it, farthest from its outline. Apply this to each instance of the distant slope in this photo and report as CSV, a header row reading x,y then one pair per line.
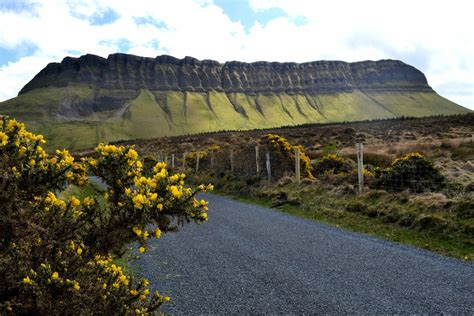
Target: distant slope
x,y
80,102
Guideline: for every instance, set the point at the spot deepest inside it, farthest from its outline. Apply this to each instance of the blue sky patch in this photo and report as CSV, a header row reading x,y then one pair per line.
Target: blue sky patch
x,y
14,54
106,17
149,20
243,12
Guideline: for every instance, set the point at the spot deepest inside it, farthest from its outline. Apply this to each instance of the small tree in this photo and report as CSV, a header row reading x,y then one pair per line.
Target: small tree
x,y
56,255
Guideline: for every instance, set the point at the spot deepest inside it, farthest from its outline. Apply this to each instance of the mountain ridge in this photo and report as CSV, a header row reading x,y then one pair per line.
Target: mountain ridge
x,y
80,102
190,74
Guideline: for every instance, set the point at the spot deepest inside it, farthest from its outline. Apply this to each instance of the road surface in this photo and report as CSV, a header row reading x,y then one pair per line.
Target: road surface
x,y
250,259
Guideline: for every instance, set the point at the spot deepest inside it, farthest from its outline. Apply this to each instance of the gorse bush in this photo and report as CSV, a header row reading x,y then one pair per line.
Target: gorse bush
x,y
286,153
411,172
334,164
56,255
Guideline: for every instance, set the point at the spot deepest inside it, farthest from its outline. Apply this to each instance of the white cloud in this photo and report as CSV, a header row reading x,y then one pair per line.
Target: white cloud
x,y
433,36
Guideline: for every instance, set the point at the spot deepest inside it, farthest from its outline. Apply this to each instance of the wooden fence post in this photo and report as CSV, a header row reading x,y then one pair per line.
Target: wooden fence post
x,y
197,162
297,166
257,148
184,161
360,165
166,158
269,169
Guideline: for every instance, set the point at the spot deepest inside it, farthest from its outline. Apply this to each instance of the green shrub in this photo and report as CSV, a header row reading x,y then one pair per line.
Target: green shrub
x,y
412,172
56,254
334,164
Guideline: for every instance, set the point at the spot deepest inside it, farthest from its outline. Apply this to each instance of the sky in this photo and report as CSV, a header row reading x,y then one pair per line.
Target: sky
x,y
434,36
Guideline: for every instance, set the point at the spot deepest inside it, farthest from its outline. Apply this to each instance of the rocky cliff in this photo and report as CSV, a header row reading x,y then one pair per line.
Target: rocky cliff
x,y
82,101
163,73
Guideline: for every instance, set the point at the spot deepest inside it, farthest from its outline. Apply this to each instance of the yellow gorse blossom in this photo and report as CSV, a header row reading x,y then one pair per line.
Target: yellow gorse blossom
x,y
175,191
137,231
157,233
3,138
75,201
55,276
26,280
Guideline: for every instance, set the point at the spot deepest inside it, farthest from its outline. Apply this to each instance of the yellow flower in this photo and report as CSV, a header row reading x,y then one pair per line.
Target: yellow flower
x,y
32,163
104,286
132,154
55,276
142,297
134,292
69,175
175,192
139,200
159,207
142,249
26,280
145,235
145,282
79,251
159,166
137,231
204,216
157,233
167,298
77,287
75,202
88,201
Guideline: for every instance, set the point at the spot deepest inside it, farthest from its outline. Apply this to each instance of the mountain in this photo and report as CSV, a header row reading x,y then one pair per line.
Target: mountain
x,y
82,101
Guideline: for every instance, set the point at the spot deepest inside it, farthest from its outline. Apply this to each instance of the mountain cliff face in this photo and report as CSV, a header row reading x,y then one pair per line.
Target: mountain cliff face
x,y
189,74
86,100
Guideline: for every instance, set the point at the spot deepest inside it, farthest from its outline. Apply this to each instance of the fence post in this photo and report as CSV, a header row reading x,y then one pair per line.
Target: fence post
x,y
231,161
172,160
360,165
184,161
166,158
197,162
212,160
257,159
269,170
297,166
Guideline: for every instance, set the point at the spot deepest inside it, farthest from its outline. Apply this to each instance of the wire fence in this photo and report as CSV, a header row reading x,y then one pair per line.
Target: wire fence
x,y
363,167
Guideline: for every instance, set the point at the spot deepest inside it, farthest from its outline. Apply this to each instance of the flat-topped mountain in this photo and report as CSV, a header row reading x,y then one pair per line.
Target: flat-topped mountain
x,y
82,101
189,74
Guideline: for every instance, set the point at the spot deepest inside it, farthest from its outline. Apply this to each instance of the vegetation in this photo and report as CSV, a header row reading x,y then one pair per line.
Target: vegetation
x,y
411,172
57,251
142,114
286,153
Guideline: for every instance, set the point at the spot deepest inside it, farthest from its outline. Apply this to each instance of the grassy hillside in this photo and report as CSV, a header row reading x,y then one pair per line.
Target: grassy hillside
x,y
80,116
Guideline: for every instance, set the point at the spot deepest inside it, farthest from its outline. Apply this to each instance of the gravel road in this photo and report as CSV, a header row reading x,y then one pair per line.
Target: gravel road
x,y
250,259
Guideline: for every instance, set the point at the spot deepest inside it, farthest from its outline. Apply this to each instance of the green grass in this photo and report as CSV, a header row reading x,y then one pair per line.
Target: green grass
x,y
150,114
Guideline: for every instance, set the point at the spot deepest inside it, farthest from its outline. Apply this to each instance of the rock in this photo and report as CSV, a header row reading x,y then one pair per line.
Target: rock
x,y
122,71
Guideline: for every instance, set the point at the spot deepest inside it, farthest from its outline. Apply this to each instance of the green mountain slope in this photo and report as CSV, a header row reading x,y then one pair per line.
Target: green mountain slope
x,y
83,101
168,113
